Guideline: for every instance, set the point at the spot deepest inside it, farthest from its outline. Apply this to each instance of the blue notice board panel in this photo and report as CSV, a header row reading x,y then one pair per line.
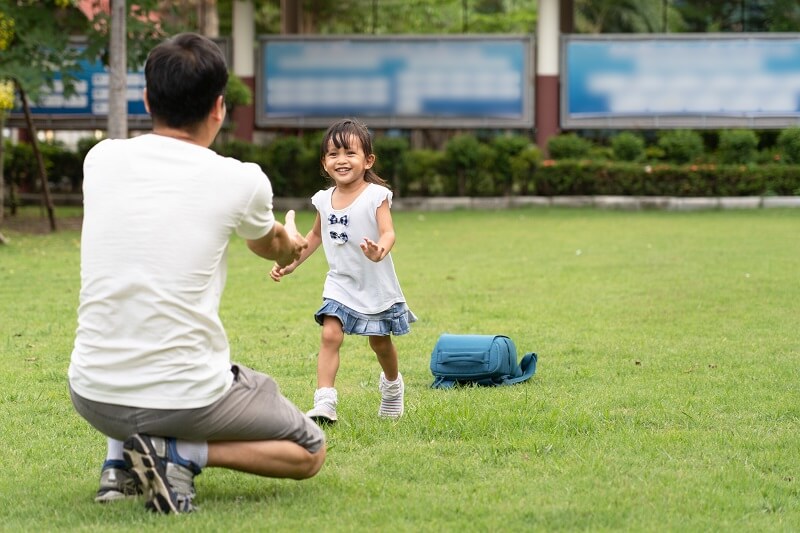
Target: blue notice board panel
x,y
396,82
708,80
91,94
88,106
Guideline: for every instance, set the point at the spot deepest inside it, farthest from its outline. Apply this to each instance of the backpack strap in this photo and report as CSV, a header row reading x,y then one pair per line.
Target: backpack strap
x,y
528,367
443,383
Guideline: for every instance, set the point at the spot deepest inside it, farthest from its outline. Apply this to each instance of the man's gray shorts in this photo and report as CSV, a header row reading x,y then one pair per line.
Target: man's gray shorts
x,y
252,409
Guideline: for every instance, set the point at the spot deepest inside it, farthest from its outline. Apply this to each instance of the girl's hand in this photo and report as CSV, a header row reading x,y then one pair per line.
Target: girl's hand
x,y
372,250
278,272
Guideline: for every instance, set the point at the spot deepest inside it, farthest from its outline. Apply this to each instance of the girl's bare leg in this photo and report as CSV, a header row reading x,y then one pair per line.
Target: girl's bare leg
x,y
328,358
386,352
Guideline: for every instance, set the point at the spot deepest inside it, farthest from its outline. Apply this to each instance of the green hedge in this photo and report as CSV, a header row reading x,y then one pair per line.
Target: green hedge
x,y
502,165
611,178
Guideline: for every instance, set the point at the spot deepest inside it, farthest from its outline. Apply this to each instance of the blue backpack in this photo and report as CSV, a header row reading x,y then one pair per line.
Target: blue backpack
x,y
487,360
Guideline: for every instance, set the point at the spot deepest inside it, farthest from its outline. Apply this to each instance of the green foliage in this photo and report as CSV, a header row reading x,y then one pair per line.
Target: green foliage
x,y
660,16
789,145
627,146
424,173
483,182
523,168
19,165
237,92
495,166
84,145
506,148
737,146
236,148
142,34
619,16
774,16
40,48
417,17
568,146
389,153
680,146
462,159
64,167
573,177
293,167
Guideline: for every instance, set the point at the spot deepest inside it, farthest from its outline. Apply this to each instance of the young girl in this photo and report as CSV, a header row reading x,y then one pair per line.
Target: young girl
x,y
361,295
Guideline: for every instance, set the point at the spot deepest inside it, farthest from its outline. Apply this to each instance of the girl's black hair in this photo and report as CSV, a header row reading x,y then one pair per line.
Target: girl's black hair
x,y
340,133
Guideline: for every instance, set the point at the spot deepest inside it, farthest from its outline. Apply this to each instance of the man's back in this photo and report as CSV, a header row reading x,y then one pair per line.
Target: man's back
x,y
158,215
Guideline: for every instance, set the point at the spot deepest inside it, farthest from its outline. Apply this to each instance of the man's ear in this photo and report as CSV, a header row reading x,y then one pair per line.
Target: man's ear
x,y
218,111
146,103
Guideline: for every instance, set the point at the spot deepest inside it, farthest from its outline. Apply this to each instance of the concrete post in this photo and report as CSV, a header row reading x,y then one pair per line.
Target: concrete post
x,y
546,85
243,33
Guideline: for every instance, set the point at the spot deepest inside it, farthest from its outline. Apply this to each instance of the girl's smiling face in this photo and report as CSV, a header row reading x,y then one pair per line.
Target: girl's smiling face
x,y
347,164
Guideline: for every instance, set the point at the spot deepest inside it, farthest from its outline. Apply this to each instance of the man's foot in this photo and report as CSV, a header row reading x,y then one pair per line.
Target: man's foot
x,y
324,411
392,392
117,482
167,478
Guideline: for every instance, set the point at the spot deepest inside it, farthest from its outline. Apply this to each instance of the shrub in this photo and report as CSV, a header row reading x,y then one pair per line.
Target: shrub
x,y
389,153
506,148
85,144
20,167
789,145
566,178
737,146
462,156
423,172
64,167
681,146
485,181
237,92
627,146
568,146
293,167
241,150
523,169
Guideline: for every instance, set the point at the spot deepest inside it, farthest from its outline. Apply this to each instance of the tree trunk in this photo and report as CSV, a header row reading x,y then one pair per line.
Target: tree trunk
x,y
3,239
291,16
118,86
46,200
2,154
208,18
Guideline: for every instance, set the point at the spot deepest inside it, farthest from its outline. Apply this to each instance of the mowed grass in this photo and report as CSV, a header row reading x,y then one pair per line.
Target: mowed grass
x,y
666,396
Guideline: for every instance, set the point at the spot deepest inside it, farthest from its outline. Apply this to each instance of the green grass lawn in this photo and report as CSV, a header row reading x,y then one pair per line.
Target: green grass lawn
x,y
667,395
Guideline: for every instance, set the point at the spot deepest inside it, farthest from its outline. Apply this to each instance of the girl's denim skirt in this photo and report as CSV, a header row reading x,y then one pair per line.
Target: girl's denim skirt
x,y
394,321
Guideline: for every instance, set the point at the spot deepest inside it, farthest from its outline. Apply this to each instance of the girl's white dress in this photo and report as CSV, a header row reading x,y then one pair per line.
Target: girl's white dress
x,y
364,295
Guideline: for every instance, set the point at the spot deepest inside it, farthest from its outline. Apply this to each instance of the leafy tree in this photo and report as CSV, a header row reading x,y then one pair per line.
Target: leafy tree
x,y
740,16
385,17
622,16
34,39
38,47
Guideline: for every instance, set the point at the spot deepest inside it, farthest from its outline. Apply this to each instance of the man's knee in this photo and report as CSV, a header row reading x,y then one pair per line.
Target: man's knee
x,y
313,463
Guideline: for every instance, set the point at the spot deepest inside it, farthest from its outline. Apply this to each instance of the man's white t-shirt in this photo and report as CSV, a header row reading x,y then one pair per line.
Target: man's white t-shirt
x,y
352,279
158,216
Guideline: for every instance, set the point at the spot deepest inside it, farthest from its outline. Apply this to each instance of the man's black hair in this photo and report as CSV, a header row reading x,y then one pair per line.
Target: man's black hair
x,y
184,77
